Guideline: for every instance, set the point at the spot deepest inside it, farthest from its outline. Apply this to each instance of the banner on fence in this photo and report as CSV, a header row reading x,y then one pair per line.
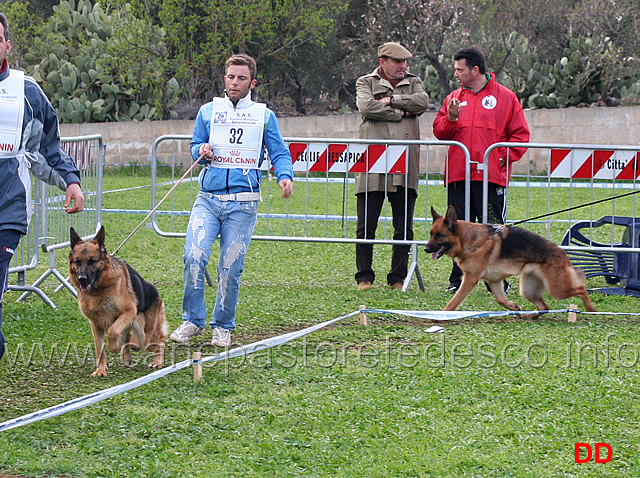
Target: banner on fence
x,y
599,164
352,158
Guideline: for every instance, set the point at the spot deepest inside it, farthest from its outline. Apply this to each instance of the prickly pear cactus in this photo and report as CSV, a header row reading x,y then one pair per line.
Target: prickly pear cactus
x,y
83,79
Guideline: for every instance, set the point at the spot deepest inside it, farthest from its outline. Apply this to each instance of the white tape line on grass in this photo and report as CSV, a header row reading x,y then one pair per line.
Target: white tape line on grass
x,y
90,399
256,347
441,315
273,341
611,313
458,314
118,389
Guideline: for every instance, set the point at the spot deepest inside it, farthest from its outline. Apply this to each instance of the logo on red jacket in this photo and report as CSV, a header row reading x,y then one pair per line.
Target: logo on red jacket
x,y
489,102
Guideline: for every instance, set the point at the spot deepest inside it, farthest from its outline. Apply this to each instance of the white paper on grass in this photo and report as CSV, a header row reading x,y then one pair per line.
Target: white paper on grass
x,y
434,329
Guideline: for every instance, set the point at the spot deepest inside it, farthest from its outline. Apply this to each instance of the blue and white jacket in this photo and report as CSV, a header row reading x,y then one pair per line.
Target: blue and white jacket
x,y
236,180
40,145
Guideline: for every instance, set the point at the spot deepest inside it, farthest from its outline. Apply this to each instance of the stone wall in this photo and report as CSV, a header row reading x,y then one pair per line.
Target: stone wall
x,y
132,142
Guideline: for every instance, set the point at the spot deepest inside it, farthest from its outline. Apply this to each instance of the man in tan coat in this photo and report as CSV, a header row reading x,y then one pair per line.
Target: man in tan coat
x,y
390,100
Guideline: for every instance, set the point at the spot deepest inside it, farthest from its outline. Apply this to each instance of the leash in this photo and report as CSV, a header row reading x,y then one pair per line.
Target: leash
x,y
572,208
158,205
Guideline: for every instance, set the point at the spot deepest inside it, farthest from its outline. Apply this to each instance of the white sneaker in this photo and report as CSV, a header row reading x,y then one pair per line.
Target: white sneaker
x,y
186,330
221,337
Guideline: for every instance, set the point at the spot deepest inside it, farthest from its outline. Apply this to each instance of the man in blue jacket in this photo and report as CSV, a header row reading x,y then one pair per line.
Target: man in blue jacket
x,y
229,136
29,141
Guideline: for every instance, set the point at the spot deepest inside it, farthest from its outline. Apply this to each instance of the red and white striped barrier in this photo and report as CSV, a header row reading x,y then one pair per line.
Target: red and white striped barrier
x,y
352,158
599,164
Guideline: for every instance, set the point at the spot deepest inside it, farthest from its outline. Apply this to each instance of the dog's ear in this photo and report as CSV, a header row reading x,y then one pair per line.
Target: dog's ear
x,y
100,239
74,238
434,214
451,220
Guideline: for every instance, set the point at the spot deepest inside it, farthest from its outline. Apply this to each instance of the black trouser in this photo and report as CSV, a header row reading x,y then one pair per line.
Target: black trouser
x,y
369,208
495,211
9,240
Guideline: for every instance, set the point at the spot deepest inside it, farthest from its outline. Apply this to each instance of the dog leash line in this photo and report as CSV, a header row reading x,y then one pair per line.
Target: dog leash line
x,y
574,207
158,205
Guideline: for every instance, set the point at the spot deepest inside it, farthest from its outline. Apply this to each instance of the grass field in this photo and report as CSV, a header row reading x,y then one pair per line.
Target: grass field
x,y
488,397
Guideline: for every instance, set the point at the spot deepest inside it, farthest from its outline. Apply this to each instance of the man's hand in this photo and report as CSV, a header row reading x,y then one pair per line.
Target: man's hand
x,y
453,109
287,188
73,194
386,100
206,151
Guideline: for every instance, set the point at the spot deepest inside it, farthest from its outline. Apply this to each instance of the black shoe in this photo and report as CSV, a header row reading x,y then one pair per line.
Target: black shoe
x,y
453,288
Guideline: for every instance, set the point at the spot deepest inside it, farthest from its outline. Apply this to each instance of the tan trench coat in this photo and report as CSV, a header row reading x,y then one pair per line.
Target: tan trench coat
x,y
381,121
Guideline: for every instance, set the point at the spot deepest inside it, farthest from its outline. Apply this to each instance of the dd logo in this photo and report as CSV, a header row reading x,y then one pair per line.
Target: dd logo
x,y
590,453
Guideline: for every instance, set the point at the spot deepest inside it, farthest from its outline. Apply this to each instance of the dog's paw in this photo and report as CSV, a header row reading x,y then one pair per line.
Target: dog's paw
x,y
99,372
155,364
513,306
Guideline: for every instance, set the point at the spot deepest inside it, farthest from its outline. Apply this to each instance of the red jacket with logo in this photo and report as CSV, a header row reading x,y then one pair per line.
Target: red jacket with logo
x,y
493,115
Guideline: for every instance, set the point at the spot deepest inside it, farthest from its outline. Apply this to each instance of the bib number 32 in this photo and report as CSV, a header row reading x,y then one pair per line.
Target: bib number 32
x,y
235,135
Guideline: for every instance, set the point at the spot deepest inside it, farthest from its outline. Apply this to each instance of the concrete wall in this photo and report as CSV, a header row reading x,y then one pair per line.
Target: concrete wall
x,y
132,142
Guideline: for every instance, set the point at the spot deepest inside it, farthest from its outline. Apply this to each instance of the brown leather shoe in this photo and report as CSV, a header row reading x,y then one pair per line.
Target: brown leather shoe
x,y
365,285
397,285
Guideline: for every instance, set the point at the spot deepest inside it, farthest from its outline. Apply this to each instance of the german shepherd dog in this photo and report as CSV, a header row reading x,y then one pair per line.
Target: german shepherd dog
x,y
493,252
117,301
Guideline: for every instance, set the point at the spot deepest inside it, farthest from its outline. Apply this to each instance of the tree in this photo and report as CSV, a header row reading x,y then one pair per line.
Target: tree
x,y
613,28
310,53
577,51
427,28
495,20
96,65
285,37
24,28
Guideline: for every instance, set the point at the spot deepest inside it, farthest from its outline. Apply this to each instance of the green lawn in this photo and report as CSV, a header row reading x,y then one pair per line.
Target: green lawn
x,y
488,397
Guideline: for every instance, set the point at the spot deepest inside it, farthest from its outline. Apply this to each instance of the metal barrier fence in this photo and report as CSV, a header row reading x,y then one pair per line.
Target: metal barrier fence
x,y
555,177
49,227
549,178
325,169
26,255
584,198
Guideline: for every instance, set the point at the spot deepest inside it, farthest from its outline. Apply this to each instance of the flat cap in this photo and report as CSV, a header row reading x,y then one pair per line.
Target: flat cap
x,y
394,50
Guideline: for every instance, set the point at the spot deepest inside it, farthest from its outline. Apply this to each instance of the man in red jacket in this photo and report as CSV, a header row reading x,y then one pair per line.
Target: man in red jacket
x,y
478,114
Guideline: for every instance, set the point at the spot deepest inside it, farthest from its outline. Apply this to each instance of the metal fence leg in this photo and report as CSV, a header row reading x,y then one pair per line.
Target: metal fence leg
x,y
52,270
64,283
413,267
28,289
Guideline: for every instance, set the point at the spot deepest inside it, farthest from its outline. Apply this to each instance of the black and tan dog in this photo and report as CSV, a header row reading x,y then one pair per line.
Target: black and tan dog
x,y
493,252
117,301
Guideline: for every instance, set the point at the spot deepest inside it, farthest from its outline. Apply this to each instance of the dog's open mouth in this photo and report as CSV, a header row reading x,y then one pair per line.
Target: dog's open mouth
x,y
438,253
85,287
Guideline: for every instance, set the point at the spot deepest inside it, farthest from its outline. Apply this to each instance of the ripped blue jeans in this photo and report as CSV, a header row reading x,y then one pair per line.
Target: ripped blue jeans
x,y
234,222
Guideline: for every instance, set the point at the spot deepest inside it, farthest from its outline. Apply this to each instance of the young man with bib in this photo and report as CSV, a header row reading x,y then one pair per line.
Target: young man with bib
x,y
230,136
